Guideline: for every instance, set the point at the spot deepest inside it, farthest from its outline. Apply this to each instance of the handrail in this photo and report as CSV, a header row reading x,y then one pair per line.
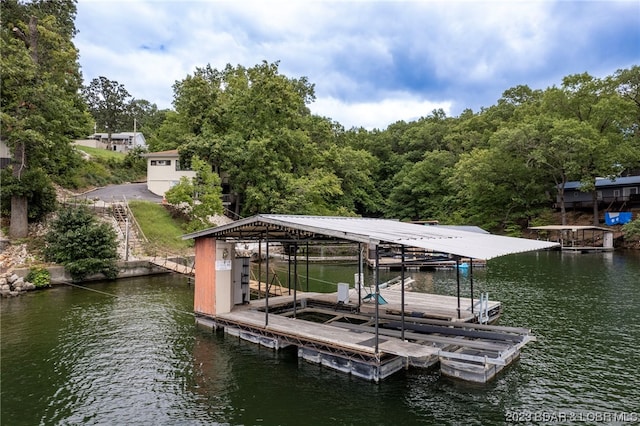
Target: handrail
x,y
133,219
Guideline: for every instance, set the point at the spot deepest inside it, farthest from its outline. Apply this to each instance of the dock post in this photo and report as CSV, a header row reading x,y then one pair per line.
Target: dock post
x,y
458,281
259,266
377,295
359,283
402,292
266,303
295,278
471,281
307,266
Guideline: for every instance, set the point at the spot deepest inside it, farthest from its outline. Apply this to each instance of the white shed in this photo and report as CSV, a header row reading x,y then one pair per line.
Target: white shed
x,y
164,171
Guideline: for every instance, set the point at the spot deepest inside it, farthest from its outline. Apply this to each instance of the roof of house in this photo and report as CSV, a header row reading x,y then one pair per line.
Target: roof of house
x,y
169,153
601,182
119,135
372,231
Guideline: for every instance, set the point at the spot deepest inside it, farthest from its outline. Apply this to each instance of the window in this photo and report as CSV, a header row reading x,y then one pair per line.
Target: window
x,y
160,162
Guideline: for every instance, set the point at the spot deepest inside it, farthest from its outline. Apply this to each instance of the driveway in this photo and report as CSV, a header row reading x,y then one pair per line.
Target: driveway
x,y
114,193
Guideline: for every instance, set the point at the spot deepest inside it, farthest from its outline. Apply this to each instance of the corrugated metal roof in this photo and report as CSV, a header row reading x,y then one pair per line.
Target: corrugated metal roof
x,y
601,182
374,231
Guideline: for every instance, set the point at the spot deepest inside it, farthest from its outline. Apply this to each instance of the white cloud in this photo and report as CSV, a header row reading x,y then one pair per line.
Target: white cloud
x,y
376,114
455,53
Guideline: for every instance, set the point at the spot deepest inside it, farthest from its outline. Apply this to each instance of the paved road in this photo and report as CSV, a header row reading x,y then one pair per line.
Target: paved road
x,y
130,191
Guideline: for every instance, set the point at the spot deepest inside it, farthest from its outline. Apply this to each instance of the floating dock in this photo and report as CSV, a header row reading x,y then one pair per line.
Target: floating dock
x,y
369,333
334,335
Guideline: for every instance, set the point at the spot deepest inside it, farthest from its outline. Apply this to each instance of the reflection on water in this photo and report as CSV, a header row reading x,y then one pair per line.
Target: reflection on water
x,y
73,356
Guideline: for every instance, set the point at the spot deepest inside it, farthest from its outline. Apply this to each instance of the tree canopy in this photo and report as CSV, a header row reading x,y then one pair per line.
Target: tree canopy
x,y
252,127
41,110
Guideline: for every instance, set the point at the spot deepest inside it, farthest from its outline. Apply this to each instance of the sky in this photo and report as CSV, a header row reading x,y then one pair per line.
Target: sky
x,y
372,62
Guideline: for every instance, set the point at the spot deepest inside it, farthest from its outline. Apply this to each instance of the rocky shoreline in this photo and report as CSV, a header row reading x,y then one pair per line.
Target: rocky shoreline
x,y
11,284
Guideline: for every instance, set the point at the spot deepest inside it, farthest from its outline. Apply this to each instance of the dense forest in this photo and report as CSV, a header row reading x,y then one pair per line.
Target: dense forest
x,y
499,168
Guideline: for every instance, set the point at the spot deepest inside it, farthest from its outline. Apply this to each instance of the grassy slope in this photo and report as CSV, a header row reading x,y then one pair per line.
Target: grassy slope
x,y
101,153
163,232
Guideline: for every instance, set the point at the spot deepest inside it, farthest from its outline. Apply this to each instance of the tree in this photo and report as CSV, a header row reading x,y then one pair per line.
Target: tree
x,y
420,190
202,195
252,124
146,118
108,103
41,110
82,244
588,114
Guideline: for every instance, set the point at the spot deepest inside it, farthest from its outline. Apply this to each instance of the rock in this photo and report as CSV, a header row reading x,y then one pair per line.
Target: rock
x,y
12,279
3,281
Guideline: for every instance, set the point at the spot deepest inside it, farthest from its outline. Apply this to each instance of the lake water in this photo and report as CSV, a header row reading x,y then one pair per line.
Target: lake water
x,y
128,352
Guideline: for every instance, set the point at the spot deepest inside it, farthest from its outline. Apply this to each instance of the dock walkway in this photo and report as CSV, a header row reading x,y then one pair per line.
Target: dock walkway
x,y
173,266
346,340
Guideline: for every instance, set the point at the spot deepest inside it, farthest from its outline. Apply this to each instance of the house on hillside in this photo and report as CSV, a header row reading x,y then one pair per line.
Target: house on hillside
x,y
164,171
120,142
619,192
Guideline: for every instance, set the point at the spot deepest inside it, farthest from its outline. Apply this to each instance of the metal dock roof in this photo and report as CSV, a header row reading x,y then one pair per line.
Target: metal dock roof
x,y
372,231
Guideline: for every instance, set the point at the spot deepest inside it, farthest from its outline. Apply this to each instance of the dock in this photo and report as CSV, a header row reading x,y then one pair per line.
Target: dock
x,y
371,333
181,268
578,239
335,335
423,263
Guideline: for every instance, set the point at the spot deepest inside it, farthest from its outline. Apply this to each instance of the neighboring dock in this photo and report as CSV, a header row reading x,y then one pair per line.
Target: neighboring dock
x,y
423,263
335,335
576,238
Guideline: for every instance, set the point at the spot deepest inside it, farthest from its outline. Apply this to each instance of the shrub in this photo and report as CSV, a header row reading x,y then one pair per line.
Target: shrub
x,y
632,230
39,277
36,186
82,244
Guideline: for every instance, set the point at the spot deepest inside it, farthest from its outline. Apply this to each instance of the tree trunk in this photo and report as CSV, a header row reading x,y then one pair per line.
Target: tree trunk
x,y
19,226
19,218
563,210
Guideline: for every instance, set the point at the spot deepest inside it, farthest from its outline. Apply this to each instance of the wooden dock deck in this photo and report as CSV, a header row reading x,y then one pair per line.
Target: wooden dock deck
x,y
173,266
345,340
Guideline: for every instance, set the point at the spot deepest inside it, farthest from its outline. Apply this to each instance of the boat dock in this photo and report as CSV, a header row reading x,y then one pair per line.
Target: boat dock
x,y
578,239
423,263
372,332
335,335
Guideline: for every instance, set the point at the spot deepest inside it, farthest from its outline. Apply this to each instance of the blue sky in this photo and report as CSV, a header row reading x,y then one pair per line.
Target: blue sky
x,y
372,62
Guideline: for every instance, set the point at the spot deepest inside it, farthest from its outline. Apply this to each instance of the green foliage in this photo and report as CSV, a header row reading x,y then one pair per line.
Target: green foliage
x,y
101,153
82,244
108,103
158,226
38,276
632,230
199,197
36,186
41,110
105,167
